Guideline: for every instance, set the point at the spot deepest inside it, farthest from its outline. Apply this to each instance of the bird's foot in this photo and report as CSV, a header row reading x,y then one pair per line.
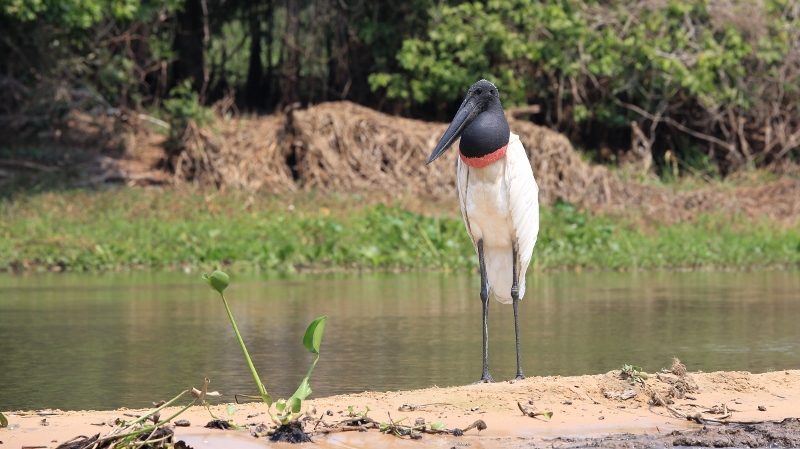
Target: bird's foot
x,y
520,376
485,379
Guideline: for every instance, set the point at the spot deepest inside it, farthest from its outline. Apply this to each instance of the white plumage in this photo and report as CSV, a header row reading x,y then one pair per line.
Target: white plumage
x,y
500,203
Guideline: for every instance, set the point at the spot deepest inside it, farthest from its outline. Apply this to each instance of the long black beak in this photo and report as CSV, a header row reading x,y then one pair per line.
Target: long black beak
x,y
465,115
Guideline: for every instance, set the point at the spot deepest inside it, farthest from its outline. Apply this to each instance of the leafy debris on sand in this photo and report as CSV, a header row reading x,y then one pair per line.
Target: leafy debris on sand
x,y
534,413
79,442
290,433
137,434
359,422
220,424
621,395
414,407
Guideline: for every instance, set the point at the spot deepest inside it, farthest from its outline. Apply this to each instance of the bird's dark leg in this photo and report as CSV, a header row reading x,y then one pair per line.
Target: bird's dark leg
x,y
485,376
515,299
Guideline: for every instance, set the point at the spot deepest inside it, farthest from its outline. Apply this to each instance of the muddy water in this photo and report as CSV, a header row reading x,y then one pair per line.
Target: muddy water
x,y
80,341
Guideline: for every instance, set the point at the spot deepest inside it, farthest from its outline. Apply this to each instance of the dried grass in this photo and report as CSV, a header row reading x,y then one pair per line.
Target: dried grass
x,y
343,147
242,153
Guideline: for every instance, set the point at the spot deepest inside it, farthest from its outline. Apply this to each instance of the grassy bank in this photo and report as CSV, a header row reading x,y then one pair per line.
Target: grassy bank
x,y
188,228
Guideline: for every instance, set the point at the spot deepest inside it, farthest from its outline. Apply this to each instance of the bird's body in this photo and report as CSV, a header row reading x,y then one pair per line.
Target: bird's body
x,y
499,201
500,204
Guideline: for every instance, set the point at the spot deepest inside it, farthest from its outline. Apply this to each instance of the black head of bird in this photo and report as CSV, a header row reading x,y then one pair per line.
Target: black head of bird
x,y
479,122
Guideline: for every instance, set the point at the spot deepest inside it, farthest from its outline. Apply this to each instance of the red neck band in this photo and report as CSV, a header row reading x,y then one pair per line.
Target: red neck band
x,y
483,161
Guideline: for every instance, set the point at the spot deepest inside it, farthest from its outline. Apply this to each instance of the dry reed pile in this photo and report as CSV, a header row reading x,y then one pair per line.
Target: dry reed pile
x,y
343,147
240,153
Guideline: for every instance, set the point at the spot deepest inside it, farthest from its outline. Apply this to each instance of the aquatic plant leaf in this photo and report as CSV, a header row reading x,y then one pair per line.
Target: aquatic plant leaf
x,y
231,409
303,391
280,405
438,425
218,280
3,420
311,341
547,415
313,337
294,404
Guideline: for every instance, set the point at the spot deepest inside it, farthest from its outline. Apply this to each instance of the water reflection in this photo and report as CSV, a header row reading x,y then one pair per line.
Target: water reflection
x,y
82,341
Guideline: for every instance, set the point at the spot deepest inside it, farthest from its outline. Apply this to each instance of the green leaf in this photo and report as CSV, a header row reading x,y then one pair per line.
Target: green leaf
x,y
280,405
438,425
313,337
231,409
294,404
303,391
218,280
548,415
3,420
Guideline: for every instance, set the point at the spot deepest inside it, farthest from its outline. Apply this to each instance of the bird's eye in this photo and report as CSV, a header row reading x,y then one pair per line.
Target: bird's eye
x,y
479,91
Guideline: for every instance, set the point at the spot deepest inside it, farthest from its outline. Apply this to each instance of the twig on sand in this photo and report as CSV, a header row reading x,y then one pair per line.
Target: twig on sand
x,y
413,407
699,418
534,413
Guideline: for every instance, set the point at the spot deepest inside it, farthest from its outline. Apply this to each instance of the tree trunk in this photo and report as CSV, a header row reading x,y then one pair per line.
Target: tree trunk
x,y
255,72
291,75
189,44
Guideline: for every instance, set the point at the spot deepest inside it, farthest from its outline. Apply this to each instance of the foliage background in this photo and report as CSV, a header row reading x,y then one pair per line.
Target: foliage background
x,y
713,84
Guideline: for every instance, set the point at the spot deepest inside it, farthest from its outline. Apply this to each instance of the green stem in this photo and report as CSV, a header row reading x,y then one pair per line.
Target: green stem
x,y
308,375
261,389
300,393
148,428
153,412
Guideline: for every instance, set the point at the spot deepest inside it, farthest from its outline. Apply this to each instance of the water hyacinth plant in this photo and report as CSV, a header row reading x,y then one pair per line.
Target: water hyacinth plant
x,y
287,409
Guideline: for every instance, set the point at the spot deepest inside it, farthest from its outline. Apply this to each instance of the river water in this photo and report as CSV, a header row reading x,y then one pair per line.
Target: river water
x,y
98,341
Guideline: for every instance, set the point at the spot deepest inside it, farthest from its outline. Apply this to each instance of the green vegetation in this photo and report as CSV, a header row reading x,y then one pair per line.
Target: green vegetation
x,y
634,374
288,410
122,229
610,63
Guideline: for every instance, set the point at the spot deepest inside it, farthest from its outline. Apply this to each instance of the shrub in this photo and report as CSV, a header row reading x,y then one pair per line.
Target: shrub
x,y
723,73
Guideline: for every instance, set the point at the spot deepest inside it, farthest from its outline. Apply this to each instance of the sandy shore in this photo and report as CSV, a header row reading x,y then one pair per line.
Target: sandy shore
x,y
588,406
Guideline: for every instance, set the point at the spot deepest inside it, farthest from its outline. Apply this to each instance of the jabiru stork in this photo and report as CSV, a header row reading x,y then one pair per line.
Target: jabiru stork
x,y
499,201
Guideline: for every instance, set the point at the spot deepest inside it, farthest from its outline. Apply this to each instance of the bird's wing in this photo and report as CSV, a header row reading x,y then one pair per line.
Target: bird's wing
x,y
523,201
462,170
